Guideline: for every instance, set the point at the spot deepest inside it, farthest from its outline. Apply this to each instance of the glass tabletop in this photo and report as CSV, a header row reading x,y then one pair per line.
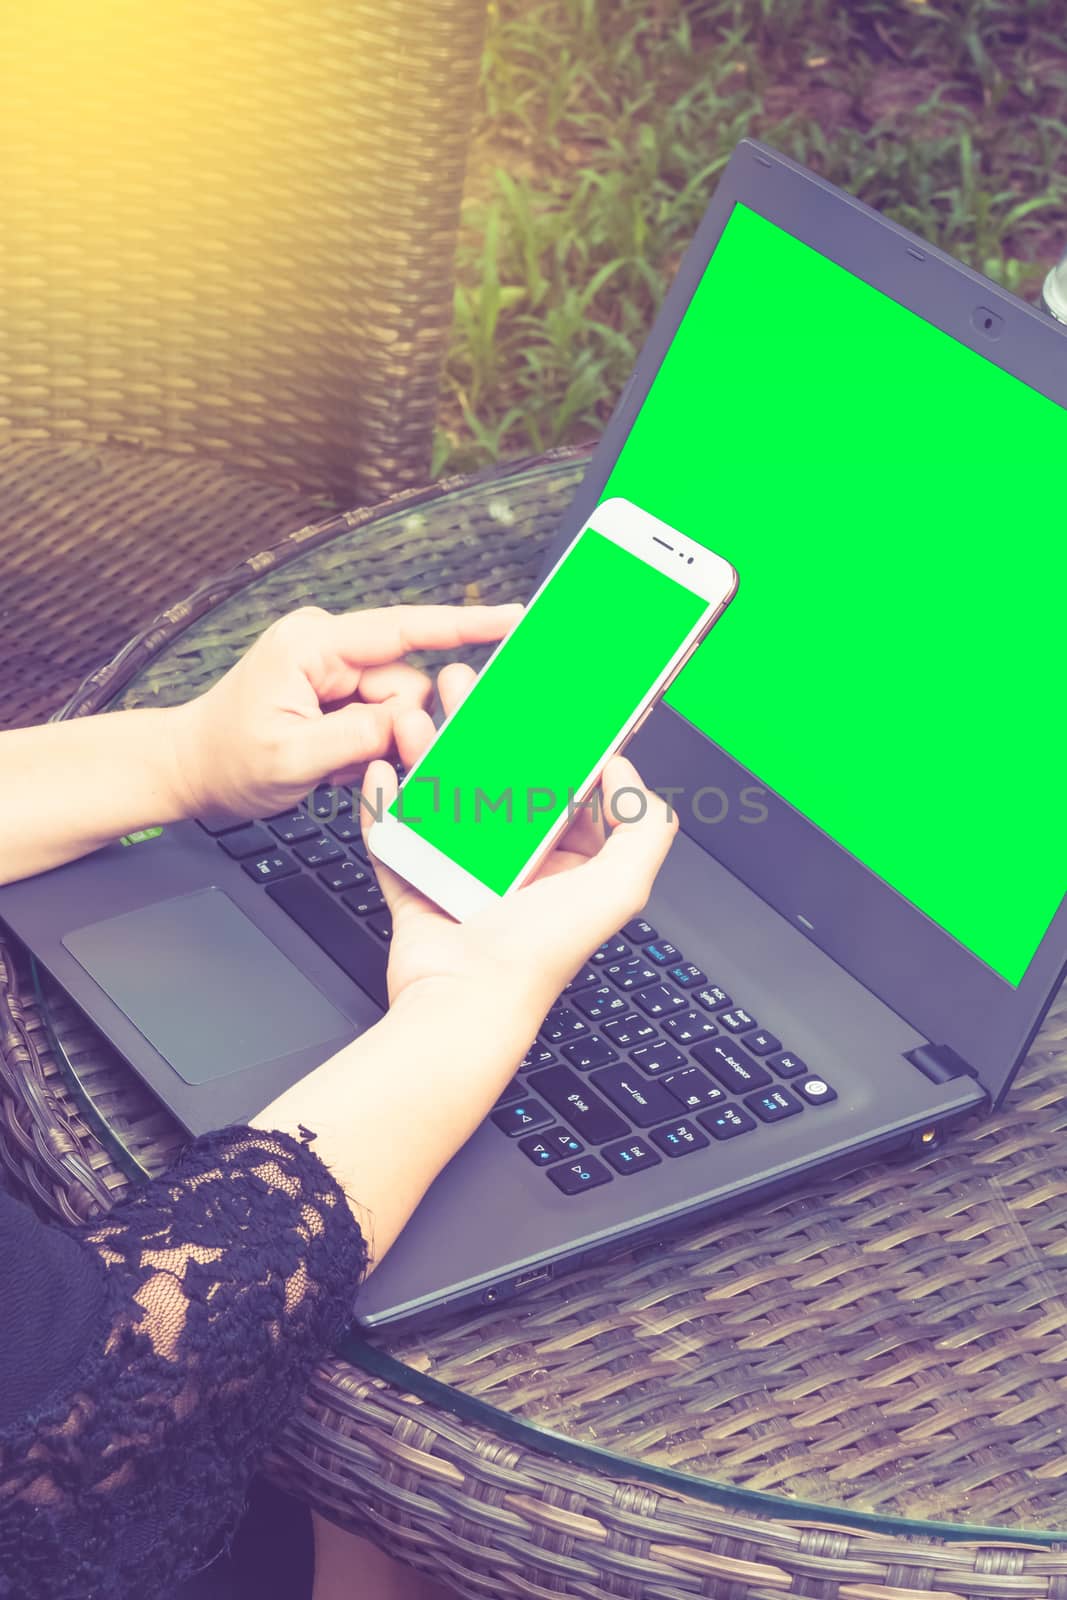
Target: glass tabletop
x,y
883,1350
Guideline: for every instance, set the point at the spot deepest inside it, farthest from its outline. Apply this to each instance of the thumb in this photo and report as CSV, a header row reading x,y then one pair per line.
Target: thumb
x,y
378,791
580,907
342,740
618,879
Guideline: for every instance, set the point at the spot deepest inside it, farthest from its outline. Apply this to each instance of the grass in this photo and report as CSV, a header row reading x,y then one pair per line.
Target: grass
x,y
603,125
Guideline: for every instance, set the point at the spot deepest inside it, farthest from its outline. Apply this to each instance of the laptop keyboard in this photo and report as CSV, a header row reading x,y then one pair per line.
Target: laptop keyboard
x,y
643,1058
312,862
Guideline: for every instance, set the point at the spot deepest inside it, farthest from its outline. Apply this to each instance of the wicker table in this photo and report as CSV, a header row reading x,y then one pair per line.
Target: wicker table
x,y
854,1392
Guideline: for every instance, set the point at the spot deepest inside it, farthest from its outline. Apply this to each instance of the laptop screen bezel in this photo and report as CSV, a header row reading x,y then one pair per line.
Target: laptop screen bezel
x,y
886,942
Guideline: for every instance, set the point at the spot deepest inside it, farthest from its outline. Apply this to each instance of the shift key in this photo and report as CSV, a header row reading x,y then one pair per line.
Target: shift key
x,y
571,1098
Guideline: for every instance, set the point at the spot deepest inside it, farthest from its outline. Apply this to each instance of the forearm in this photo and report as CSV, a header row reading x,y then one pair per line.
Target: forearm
x,y
392,1108
68,787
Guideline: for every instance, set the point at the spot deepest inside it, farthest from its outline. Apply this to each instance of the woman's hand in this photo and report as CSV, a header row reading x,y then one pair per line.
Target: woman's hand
x,y
314,699
524,948
466,998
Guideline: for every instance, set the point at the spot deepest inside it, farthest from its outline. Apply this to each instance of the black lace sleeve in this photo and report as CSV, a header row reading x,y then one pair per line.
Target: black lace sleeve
x,y
218,1287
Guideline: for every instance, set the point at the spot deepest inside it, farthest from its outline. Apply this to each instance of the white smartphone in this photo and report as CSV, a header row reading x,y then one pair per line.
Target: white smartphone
x,y
614,621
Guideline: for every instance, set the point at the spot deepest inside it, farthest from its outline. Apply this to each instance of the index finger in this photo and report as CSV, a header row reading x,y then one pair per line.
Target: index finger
x,y
371,638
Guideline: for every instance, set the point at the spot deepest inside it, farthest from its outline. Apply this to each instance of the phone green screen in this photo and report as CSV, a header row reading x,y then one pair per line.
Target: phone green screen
x,y
893,665
551,701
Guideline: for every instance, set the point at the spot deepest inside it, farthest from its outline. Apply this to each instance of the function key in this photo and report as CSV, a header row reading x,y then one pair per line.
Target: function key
x,y
659,1001
686,1027
564,1141
254,841
583,980
735,1070
787,1065
562,1023
816,1091
773,1105
574,1176
693,1089
639,931
737,1020
320,850
726,1122
588,1053
266,869
630,1155
553,1145
631,974
762,1043
601,1002
344,875
687,976
628,1031
712,998
611,950
537,1150
293,826
658,1057
538,1055
679,1138
521,1115
663,953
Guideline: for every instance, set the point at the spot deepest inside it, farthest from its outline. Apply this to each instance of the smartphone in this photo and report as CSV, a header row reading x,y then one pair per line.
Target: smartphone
x,y
613,622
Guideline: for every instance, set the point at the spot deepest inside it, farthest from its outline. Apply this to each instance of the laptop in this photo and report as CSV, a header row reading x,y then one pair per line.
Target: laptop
x,y
862,922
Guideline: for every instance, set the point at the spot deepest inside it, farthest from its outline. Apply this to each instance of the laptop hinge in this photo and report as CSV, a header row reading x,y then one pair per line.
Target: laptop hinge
x,y
939,1063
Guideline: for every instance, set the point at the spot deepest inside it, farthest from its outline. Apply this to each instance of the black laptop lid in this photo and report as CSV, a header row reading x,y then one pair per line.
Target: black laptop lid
x,y
873,435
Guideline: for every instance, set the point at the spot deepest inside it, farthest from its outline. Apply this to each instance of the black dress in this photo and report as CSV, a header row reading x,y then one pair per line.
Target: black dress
x,y
146,1360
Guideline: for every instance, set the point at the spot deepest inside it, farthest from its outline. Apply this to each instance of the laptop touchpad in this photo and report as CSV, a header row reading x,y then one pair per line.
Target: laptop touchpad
x,y
207,989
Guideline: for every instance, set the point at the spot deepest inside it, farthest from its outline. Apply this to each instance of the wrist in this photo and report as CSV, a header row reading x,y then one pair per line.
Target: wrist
x,y
185,776
510,1007
450,1007
140,751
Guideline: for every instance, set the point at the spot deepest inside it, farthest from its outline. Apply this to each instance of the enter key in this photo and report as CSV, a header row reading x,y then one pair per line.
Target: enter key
x,y
644,1102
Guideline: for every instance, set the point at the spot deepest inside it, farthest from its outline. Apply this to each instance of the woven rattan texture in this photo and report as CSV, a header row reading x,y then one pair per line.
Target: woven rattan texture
x,y
494,1519
461,540
95,542
229,228
891,1342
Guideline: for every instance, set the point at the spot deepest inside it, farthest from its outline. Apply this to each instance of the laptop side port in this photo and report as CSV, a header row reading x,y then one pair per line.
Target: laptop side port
x,y
535,1275
939,1063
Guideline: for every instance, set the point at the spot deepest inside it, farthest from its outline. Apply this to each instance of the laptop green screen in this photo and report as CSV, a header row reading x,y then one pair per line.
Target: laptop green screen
x,y
893,663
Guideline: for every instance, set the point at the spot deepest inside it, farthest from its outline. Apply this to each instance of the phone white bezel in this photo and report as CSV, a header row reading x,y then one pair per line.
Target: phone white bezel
x,y
666,550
